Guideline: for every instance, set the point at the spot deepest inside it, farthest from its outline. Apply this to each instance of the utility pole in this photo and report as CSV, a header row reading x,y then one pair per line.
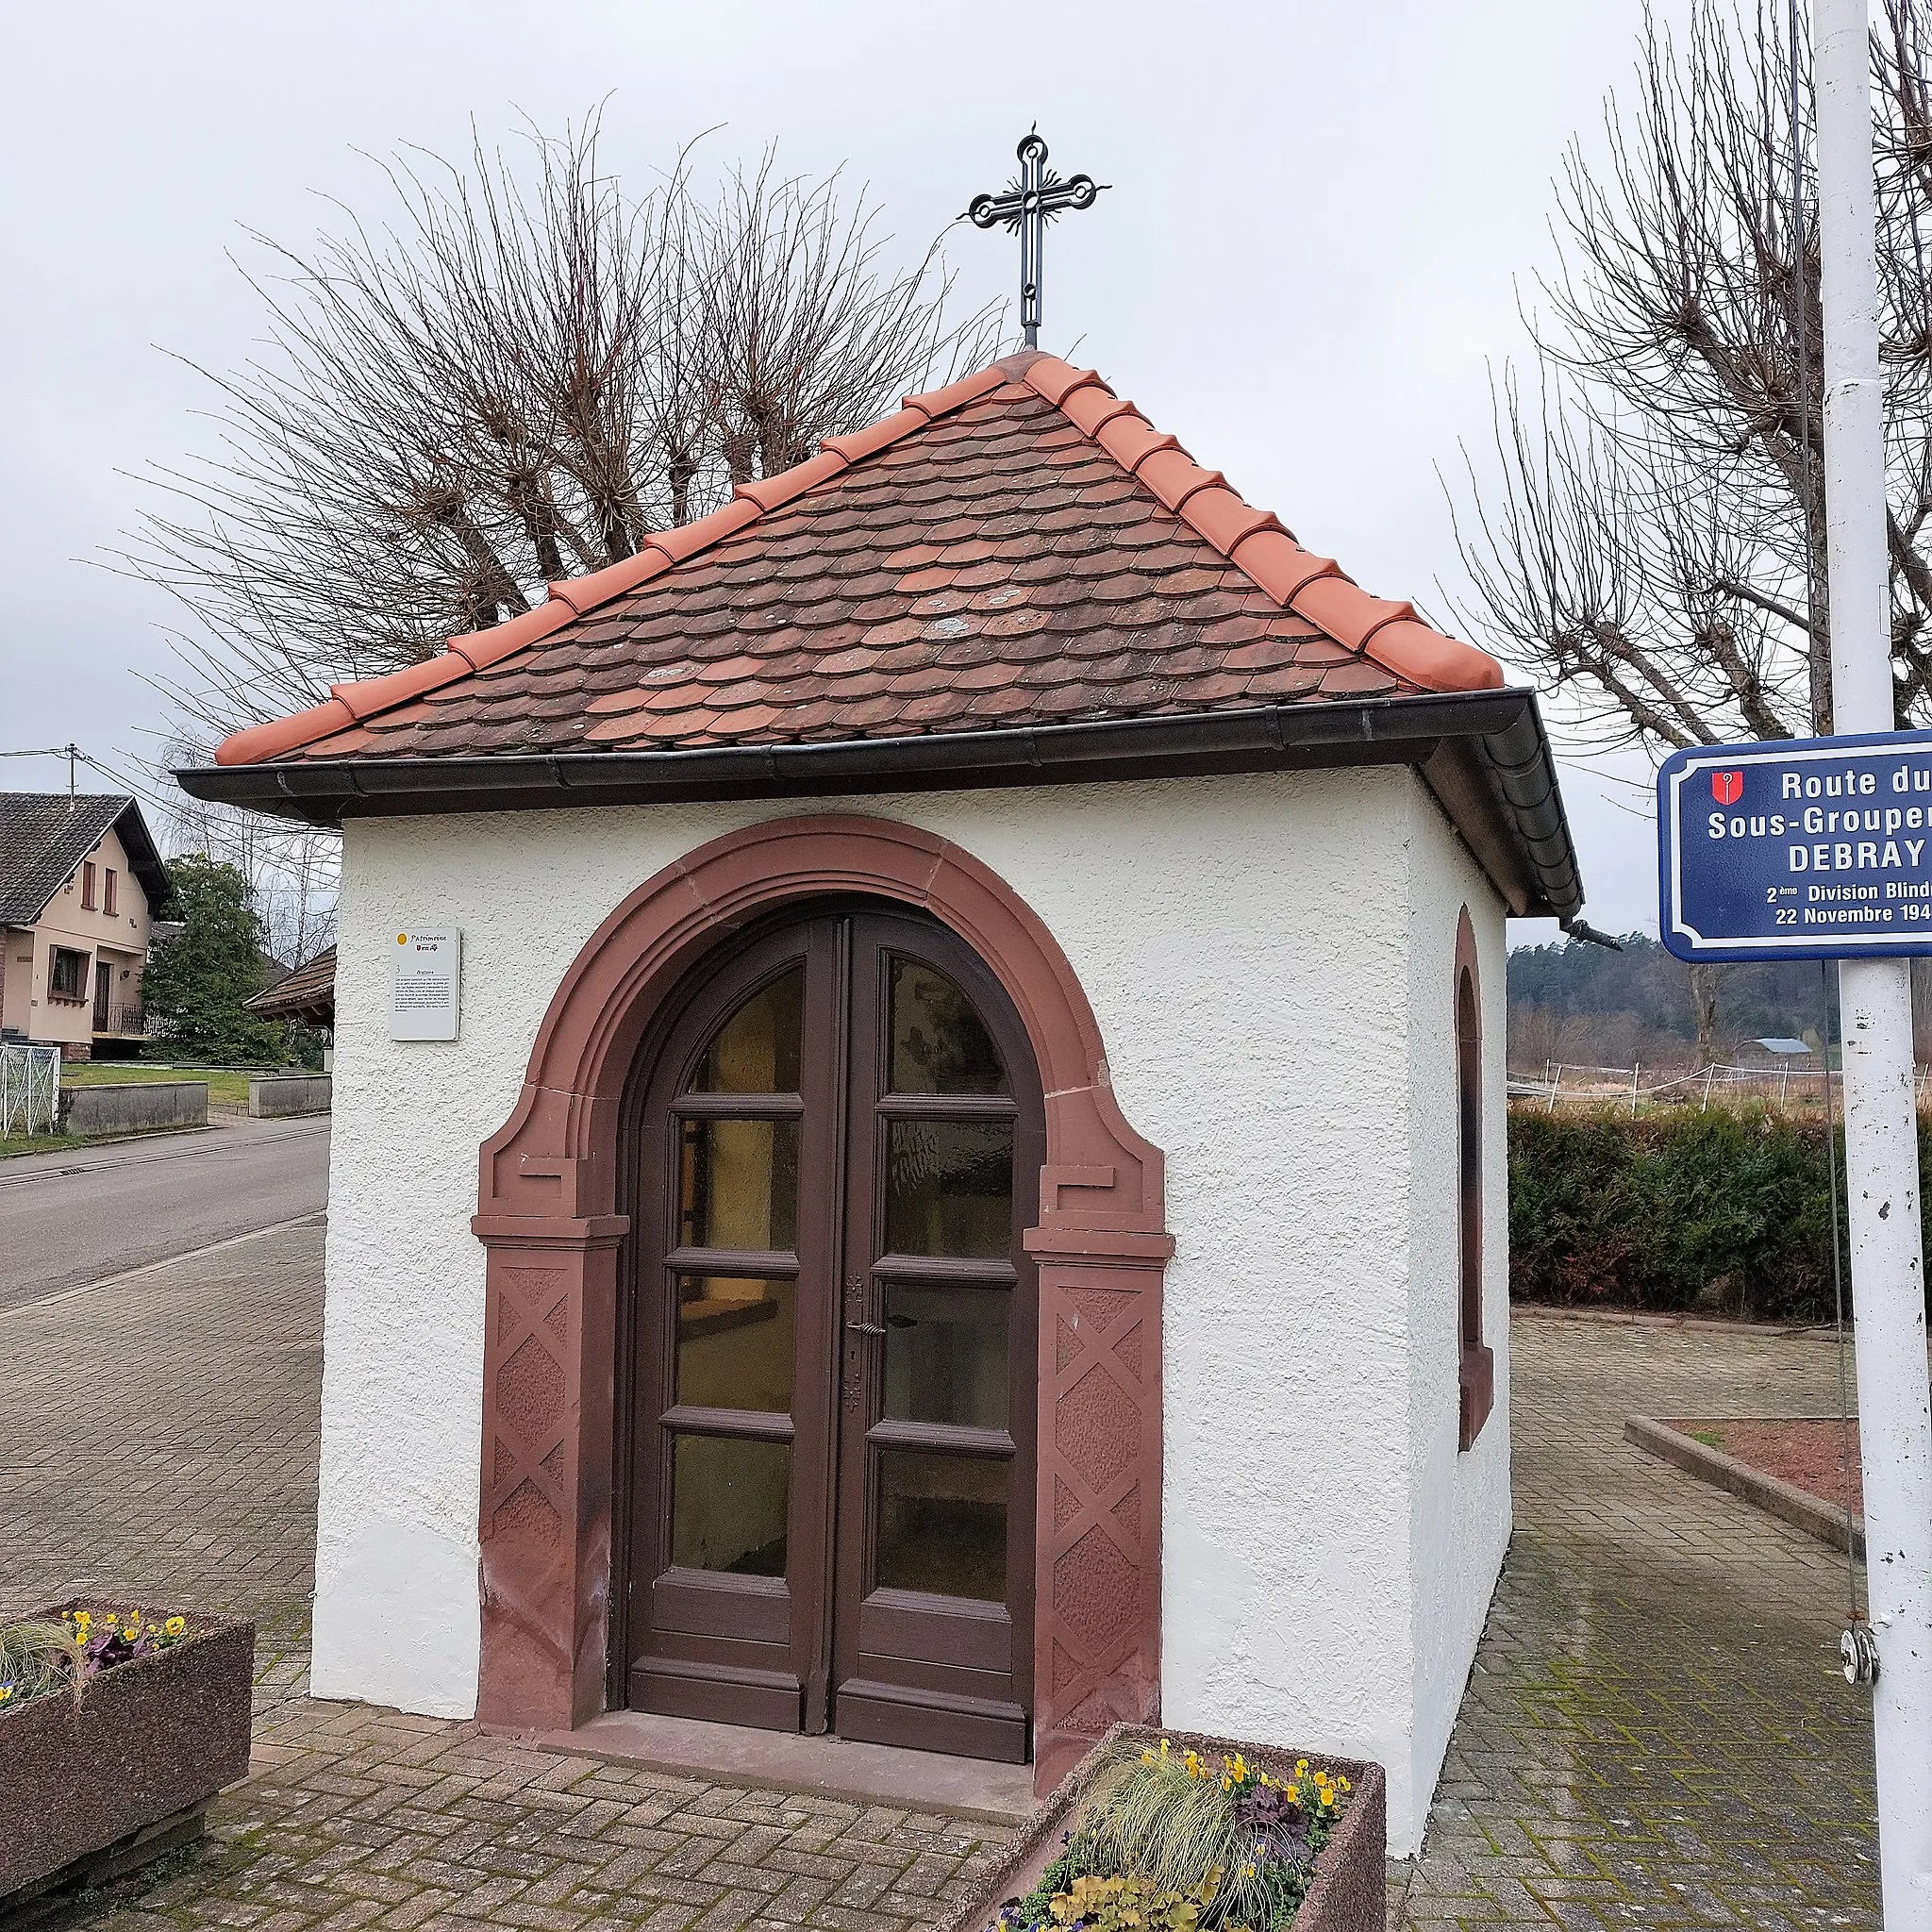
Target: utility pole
x,y
1876,1006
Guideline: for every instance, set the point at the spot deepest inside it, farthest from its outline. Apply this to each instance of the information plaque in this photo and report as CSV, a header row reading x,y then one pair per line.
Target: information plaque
x,y
426,985
1805,848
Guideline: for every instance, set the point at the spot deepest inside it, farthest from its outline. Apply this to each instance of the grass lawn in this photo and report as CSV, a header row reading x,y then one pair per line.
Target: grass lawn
x,y
224,1087
39,1143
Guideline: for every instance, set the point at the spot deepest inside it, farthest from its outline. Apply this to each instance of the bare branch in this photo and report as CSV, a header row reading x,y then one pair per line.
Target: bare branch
x,y
1665,503
513,381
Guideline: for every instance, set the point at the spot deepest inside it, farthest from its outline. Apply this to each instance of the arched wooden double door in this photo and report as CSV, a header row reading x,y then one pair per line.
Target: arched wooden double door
x,y
835,1139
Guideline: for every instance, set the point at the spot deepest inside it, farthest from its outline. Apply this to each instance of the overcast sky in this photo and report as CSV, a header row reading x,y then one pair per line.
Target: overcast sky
x,y
1320,217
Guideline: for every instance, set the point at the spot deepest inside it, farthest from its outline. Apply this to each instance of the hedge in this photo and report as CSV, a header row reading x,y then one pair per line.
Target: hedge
x,y
1725,1211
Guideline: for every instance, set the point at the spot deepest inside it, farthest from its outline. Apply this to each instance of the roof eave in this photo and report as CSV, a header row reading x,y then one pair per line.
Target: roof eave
x,y
1484,755
144,858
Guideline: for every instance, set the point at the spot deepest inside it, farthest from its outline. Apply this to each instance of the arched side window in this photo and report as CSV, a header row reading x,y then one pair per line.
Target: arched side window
x,y
1476,1371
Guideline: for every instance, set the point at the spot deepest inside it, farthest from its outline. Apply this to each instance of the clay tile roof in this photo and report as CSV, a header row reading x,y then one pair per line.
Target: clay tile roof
x,y
306,993
46,835
1020,547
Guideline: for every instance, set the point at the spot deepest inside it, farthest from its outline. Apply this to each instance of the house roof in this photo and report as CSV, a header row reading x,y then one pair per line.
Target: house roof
x,y
1014,578
46,835
1020,547
306,993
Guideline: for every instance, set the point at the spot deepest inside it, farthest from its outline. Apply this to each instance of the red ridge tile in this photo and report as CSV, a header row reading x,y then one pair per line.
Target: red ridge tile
x,y
1173,475
1347,613
956,395
1424,656
1057,380
1223,517
368,694
1131,441
480,649
769,491
888,430
1279,564
687,539
260,744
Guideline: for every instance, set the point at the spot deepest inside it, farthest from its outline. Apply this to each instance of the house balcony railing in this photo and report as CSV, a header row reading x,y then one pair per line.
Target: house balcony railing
x,y
123,1022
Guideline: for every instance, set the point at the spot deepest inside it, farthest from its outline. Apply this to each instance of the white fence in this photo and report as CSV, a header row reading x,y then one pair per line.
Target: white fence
x,y
29,1090
1561,1084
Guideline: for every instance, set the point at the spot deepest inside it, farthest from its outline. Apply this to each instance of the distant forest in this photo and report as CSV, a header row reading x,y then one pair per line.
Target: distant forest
x,y
1584,1005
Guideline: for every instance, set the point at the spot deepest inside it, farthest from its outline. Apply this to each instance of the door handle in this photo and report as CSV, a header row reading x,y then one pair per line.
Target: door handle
x,y
865,1328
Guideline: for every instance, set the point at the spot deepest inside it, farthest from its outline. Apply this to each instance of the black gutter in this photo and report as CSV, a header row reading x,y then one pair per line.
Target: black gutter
x,y
1372,731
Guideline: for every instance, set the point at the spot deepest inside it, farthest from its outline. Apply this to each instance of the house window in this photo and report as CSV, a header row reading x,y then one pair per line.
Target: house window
x,y
1477,1373
109,897
67,974
87,885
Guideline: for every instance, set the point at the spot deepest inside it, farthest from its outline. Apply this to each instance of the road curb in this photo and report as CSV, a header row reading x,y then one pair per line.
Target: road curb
x,y
1658,1318
1770,1493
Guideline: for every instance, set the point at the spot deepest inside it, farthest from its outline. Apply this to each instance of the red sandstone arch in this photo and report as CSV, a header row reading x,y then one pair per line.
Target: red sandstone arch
x,y
546,1212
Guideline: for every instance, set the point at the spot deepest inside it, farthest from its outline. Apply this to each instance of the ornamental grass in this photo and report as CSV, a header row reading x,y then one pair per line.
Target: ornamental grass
x,y
39,1659
1173,1841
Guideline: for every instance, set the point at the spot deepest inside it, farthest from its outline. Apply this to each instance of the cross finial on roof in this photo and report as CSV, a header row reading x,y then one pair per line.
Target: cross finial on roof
x,y
1032,199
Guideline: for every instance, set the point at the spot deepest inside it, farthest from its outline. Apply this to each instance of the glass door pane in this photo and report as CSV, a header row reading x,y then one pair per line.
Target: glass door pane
x,y
738,1184
949,1188
942,1523
947,1356
736,1340
730,1501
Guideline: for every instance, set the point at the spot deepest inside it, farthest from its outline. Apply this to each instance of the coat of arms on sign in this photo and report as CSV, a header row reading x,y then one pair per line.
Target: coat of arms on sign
x,y
1728,787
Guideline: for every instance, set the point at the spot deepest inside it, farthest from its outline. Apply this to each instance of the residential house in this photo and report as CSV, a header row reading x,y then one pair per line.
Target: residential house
x,y
80,884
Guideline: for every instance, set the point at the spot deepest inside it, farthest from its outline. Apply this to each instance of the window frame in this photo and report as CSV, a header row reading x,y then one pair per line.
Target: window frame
x,y
56,954
111,896
87,885
1475,1375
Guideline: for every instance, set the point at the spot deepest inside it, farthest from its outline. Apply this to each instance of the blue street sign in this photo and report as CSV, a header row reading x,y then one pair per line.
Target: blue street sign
x,y
1803,848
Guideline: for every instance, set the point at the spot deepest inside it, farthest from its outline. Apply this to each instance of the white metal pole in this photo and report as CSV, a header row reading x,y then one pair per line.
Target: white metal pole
x,y
1875,999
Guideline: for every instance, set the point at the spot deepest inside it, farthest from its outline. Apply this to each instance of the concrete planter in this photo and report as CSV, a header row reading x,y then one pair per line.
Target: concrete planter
x,y
134,1107
273,1096
88,1793
1346,1895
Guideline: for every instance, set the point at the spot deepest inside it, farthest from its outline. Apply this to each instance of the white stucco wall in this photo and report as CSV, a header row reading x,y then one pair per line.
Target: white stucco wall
x,y
1261,954
1459,1502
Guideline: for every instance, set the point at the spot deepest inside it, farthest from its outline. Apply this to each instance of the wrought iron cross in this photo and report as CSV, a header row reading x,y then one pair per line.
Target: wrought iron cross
x,y
1031,201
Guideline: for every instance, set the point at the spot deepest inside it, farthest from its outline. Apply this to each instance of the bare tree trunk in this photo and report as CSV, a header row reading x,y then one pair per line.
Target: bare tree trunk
x,y
1704,990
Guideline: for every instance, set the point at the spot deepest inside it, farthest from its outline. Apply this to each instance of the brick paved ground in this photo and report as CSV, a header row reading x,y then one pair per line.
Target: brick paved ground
x,y
160,1438
1654,1734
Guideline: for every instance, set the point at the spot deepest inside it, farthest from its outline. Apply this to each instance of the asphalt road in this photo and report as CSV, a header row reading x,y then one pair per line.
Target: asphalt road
x,y
66,1219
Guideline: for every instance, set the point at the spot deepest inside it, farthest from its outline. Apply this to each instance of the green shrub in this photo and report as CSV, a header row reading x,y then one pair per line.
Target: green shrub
x,y
1725,1210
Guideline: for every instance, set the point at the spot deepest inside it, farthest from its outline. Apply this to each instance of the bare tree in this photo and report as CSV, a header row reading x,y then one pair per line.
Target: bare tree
x,y
1649,538
292,871
515,381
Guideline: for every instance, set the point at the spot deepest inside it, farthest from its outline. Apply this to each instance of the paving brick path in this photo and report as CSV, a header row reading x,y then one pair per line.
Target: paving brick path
x,y
160,1438
1654,1734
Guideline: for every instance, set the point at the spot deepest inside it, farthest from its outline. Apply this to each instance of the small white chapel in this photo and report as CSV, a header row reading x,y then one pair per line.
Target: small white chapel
x,y
919,1146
